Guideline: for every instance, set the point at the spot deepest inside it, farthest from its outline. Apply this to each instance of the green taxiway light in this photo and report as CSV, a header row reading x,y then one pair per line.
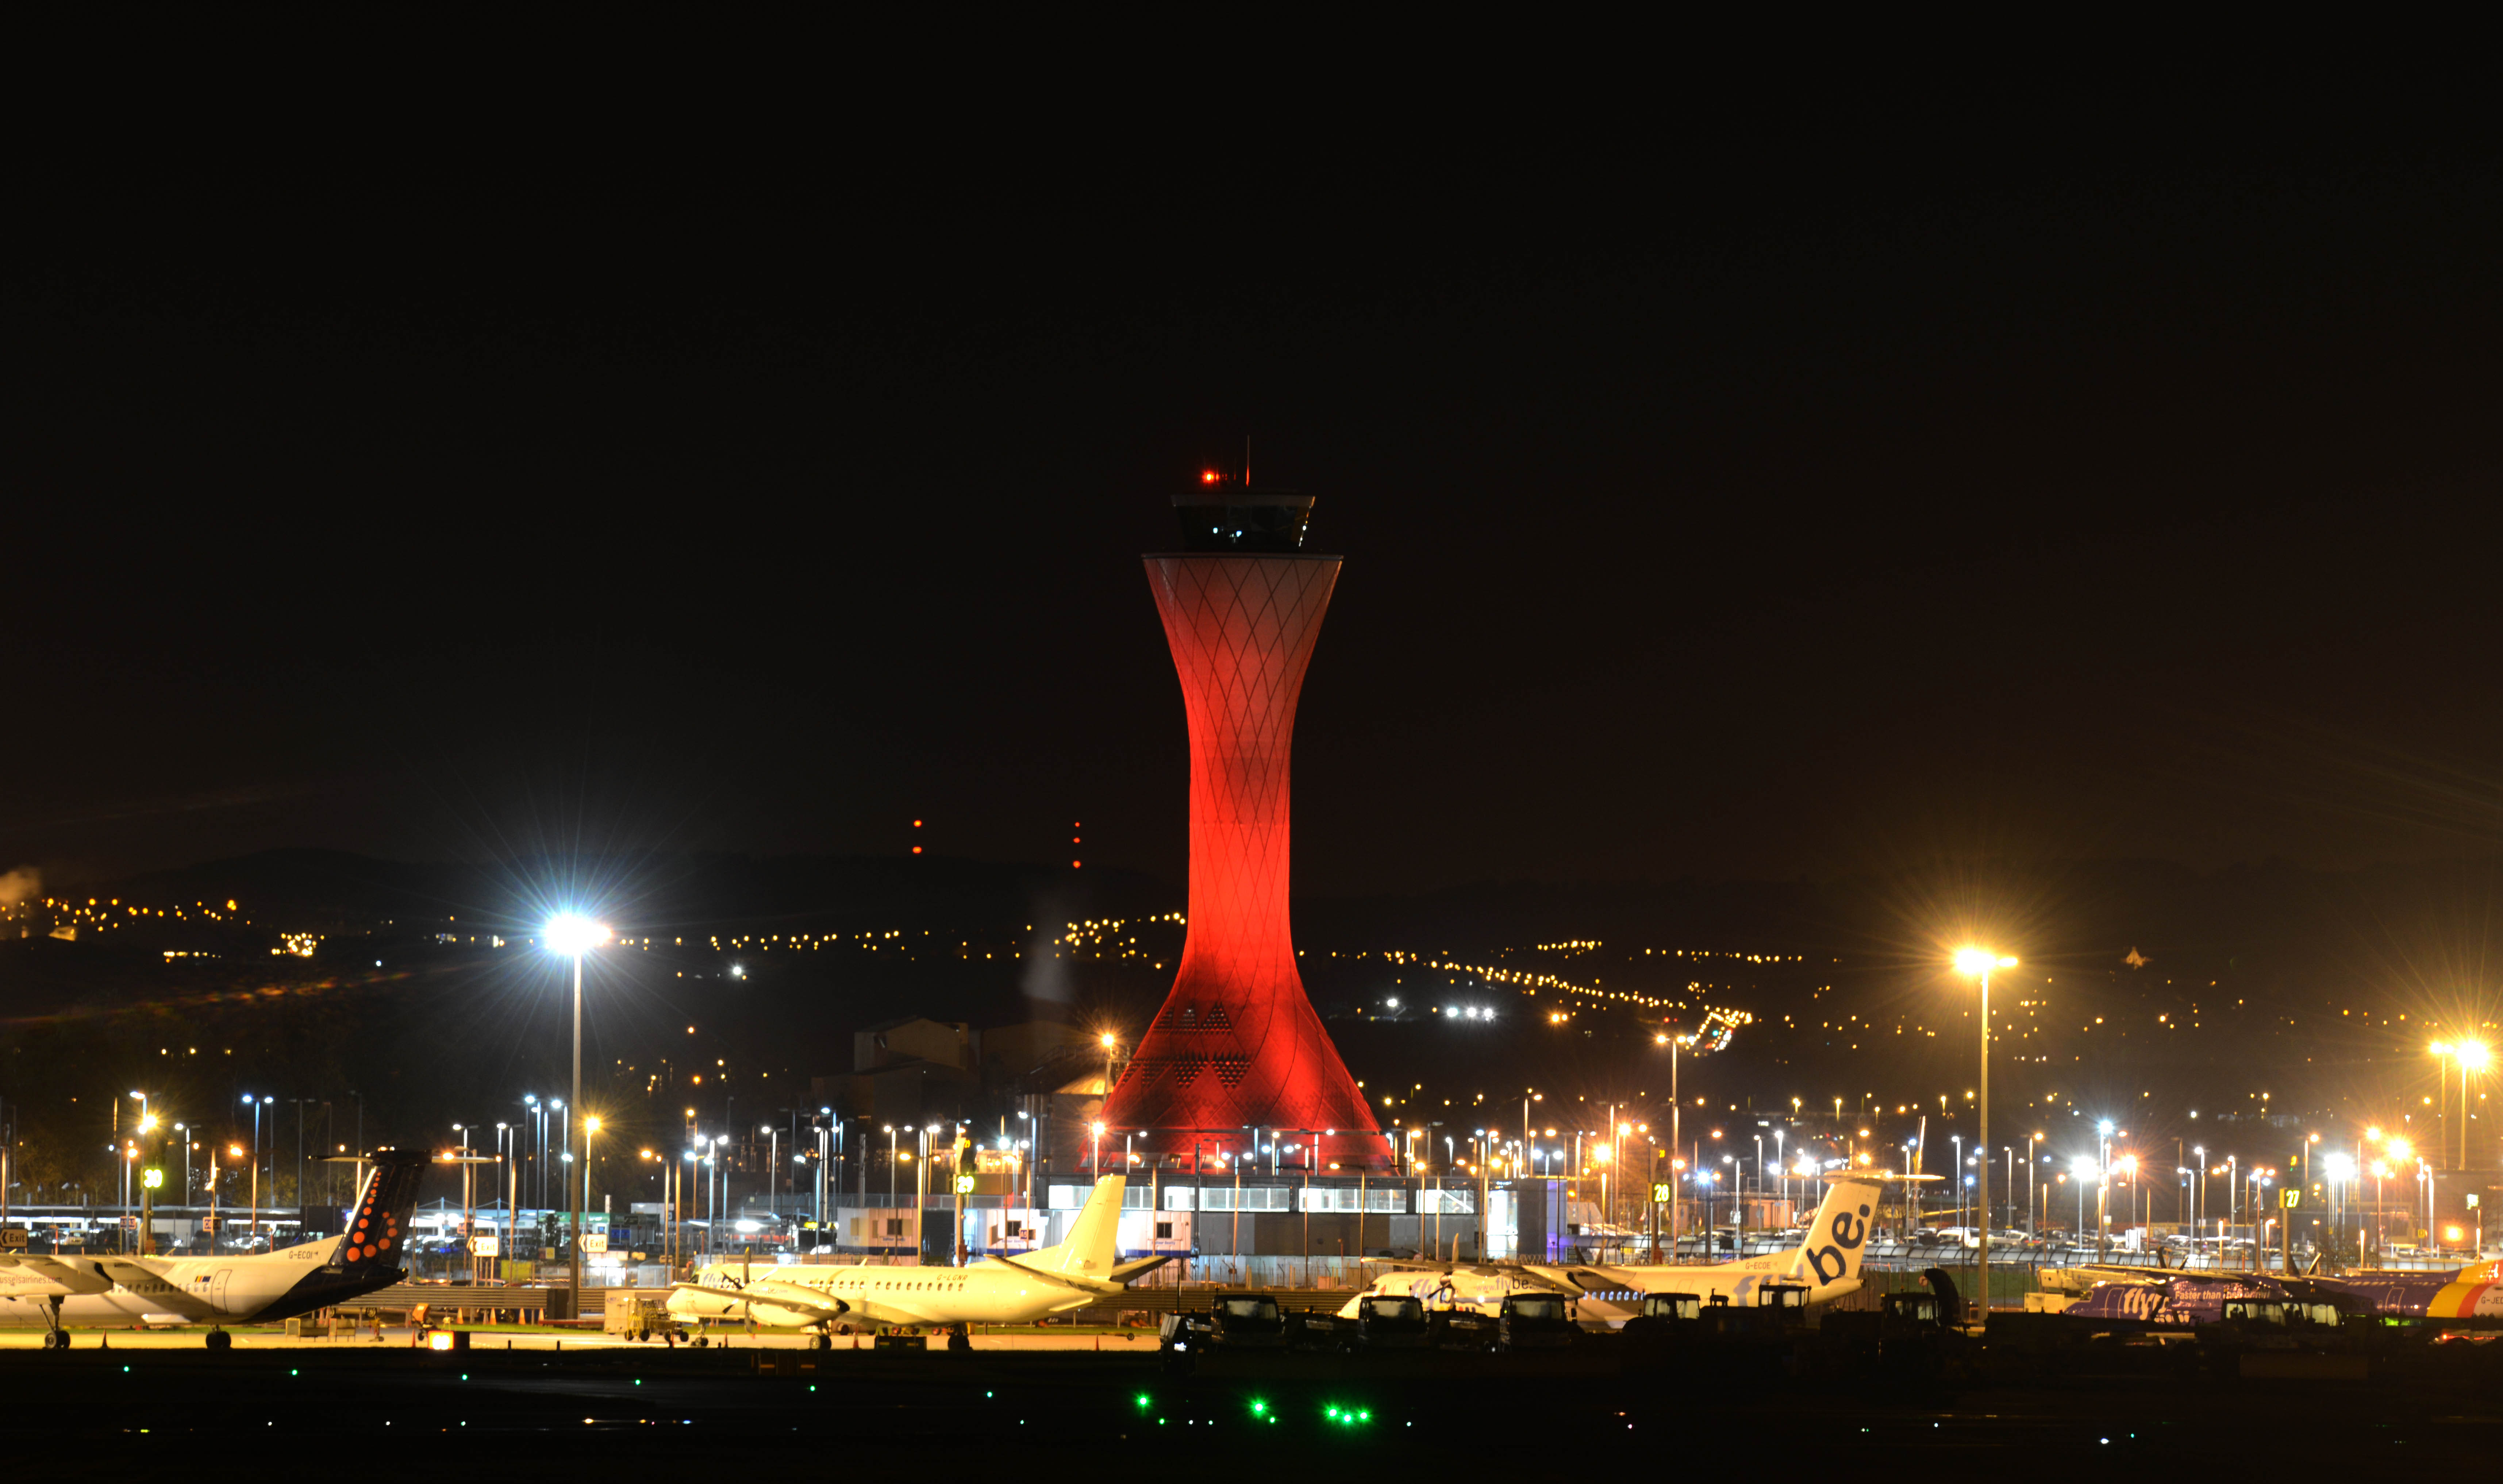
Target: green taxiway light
x,y
1143,1399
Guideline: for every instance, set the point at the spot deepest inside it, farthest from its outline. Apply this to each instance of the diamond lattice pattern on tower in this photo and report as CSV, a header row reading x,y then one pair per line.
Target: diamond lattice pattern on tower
x,y
1237,1045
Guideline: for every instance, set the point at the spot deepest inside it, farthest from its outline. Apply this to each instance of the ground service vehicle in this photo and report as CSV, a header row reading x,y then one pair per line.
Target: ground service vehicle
x,y
640,1316
1534,1322
1391,1322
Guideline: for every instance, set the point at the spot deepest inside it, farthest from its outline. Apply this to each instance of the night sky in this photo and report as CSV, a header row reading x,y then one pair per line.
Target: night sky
x,y
1736,493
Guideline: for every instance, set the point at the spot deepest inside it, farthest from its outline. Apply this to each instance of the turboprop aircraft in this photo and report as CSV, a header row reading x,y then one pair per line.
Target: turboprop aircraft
x,y
120,1290
997,1290
1827,1264
2172,1298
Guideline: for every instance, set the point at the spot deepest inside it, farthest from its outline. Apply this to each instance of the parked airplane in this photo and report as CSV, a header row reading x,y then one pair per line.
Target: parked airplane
x,y
997,1290
2170,1298
1827,1264
121,1290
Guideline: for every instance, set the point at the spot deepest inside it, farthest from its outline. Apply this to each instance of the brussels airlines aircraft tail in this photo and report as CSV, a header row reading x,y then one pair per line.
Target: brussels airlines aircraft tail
x,y
376,1242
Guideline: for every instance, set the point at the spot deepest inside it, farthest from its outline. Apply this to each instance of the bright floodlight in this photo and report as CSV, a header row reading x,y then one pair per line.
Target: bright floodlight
x,y
575,935
2401,1149
1980,960
2338,1167
2472,1055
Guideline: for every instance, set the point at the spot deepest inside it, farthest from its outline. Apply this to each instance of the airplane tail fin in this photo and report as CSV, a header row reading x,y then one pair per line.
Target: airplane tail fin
x,y
1830,1252
1092,1247
378,1230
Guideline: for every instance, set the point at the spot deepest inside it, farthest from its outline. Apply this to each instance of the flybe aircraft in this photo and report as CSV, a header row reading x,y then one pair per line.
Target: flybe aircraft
x,y
2172,1298
997,1290
57,1292
1827,1264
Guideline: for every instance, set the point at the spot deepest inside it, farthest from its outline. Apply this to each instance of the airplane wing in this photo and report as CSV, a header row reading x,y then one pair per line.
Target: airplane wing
x,y
147,1280
1124,1272
38,1273
1486,1268
812,1308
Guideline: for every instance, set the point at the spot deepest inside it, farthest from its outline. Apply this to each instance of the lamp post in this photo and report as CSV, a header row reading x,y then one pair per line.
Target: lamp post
x,y
469,1198
772,1168
685,1253
300,1163
2079,1169
1780,1167
921,1188
510,1251
2033,1215
2103,1181
1977,964
256,1104
530,1112
231,1151
590,1126
574,936
2471,1056
1676,1109
2198,1194
1759,1165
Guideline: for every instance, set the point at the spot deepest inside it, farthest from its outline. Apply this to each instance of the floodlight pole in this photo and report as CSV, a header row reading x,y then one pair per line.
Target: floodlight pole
x,y
1983,1140
573,1193
1676,1110
1979,963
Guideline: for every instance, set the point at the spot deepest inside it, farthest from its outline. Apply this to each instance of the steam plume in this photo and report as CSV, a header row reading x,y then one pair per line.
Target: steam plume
x,y
18,886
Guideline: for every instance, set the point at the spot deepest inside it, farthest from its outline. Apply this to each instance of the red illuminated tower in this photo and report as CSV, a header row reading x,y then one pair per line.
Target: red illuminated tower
x,y
1237,1047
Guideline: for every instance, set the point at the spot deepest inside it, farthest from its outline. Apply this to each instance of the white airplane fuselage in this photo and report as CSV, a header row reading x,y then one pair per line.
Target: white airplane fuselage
x,y
1085,1270
213,1289
989,1292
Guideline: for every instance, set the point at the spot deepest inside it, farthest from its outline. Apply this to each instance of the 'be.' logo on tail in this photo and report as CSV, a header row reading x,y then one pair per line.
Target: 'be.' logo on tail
x,y
1846,1226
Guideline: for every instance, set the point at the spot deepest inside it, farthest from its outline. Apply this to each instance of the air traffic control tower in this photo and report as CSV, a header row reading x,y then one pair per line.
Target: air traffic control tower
x,y
1237,1052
